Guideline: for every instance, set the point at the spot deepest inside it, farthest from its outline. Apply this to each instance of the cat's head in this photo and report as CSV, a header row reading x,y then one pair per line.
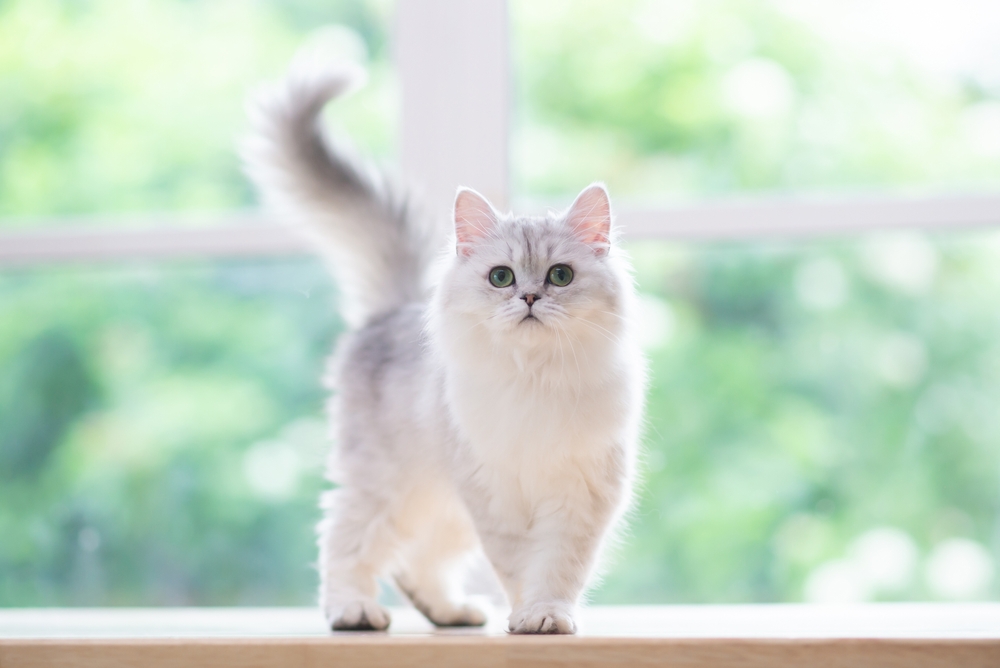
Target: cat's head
x,y
529,280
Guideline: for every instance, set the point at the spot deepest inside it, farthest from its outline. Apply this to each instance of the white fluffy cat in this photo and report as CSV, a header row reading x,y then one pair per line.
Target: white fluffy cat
x,y
496,406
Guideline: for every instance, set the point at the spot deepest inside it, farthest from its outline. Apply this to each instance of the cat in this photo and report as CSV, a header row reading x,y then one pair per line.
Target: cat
x,y
488,393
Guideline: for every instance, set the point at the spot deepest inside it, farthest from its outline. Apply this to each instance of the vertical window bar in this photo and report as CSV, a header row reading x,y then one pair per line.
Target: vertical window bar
x,y
453,62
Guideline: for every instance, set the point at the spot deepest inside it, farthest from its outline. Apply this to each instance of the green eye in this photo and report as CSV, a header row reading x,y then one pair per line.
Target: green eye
x,y
560,275
501,277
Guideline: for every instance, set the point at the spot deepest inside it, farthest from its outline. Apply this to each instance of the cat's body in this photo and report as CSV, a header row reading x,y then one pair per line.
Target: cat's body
x,y
469,410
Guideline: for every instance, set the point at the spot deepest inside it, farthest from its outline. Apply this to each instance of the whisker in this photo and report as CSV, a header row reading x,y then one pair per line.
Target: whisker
x,y
609,335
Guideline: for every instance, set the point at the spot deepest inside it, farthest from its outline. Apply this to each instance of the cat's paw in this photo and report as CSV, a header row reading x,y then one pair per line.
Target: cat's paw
x,y
456,615
360,615
542,618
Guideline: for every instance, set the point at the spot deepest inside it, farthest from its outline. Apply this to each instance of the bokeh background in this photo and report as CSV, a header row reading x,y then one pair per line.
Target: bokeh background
x,y
823,420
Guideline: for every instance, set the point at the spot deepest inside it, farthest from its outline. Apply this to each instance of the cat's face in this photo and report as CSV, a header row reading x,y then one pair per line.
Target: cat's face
x,y
529,280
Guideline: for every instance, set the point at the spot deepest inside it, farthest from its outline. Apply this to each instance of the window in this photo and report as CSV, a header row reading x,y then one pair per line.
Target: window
x,y
118,113
671,101
798,444
820,415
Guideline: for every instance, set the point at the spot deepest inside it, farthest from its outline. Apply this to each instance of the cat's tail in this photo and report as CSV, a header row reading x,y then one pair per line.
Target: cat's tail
x,y
378,249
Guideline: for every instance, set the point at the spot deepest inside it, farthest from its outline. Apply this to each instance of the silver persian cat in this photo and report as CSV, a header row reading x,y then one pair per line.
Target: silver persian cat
x,y
488,394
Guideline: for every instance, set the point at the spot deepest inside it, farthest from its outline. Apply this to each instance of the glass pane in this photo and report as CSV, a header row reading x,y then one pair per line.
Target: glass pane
x,y
821,426
822,422
670,100
123,109
161,433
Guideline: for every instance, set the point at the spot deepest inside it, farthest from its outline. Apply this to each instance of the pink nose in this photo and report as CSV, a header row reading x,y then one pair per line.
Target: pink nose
x,y
530,298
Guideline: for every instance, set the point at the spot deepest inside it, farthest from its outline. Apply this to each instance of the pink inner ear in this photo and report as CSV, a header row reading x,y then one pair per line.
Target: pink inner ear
x,y
590,218
474,219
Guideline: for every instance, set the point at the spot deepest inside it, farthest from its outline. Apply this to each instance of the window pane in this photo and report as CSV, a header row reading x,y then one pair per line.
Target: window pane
x,y
161,433
123,109
821,422
821,426
670,100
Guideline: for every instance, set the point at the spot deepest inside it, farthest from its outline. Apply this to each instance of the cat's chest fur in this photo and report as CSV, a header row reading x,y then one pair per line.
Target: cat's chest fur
x,y
546,433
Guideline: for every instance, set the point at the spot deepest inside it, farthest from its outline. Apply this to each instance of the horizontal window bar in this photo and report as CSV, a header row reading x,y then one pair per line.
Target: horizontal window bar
x,y
231,235
256,235
808,217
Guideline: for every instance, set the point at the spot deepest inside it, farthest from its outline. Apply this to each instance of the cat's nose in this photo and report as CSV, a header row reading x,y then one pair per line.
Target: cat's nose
x,y
531,298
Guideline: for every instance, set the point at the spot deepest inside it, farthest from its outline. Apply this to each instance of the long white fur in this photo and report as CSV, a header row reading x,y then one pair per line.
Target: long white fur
x,y
354,214
460,425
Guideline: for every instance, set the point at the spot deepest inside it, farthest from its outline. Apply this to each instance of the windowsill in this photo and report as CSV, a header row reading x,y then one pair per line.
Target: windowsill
x,y
745,635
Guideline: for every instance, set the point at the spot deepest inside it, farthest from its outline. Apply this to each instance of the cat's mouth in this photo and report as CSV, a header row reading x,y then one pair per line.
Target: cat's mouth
x,y
530,318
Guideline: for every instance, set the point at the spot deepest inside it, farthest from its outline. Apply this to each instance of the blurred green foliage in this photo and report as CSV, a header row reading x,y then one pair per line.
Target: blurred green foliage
x,y
670,99
161,435
805,394
46,387
137,107
821,414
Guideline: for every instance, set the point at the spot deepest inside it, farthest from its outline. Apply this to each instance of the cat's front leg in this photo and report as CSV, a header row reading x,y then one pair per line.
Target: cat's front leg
x,y
564,551
544,546
544,566
554,617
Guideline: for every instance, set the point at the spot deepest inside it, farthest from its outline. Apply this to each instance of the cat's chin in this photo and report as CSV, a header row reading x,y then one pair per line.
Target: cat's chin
x,y
531,328
530,333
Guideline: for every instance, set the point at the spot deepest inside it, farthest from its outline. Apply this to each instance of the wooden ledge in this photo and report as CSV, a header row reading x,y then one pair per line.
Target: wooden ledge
x,y
910,635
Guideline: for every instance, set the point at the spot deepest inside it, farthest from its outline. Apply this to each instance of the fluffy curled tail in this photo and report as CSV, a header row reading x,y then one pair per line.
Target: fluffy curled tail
x,y
378,250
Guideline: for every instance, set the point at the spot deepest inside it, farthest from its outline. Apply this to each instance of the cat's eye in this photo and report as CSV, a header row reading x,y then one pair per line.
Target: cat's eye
x,y
560,275
501,277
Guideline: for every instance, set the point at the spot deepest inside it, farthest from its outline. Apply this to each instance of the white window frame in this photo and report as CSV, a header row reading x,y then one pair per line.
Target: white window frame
x,y
453,64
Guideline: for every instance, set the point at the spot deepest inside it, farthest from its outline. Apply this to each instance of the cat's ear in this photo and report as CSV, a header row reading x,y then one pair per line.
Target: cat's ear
x,y
475,219
590,218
